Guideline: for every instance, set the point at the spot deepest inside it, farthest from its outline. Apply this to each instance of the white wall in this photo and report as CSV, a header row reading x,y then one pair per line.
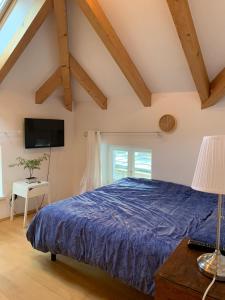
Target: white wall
x,y
14,107
11,120
174,154
17,101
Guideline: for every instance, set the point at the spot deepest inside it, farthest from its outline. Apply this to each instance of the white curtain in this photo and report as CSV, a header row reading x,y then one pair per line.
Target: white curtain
x,y
92,174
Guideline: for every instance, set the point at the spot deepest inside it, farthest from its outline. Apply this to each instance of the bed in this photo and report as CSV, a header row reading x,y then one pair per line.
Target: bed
x,y
127,228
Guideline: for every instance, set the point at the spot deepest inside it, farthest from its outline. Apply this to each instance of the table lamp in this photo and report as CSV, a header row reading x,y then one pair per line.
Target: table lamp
x,y
209,177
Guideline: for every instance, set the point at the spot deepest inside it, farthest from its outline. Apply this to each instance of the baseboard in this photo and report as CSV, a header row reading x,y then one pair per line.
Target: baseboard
x,y
30,212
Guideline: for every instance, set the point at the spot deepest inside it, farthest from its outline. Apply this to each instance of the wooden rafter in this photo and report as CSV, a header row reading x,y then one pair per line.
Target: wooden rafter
x,y
185,27
217,90
87,83
61,21
54,81
23,36
68,65
104,29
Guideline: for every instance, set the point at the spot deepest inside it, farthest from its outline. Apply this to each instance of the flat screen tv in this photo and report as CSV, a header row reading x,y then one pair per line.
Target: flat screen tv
x,y
43,133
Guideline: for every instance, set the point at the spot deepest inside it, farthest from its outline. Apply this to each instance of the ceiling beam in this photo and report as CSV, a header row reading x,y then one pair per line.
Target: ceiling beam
x,y
104,29
62,30
54,81
87,83
185,28
23,36
217,90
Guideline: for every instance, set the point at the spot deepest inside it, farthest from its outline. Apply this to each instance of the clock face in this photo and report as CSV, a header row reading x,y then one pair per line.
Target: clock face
x,y
167,123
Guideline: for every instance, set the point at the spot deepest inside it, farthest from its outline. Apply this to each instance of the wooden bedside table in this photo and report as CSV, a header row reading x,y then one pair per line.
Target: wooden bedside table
x,y
179,278
27,191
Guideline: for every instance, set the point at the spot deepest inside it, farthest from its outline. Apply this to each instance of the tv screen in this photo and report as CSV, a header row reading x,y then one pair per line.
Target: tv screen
x,y
43,133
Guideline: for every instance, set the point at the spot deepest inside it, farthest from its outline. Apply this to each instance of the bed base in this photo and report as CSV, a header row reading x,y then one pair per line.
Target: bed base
x,y
53,257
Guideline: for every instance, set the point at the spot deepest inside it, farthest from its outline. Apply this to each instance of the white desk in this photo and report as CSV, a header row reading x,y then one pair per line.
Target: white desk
x,y
27,191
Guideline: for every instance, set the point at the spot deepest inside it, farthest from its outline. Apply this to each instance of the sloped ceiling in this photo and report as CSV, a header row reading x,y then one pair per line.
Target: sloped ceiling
x,y
148,33
210,24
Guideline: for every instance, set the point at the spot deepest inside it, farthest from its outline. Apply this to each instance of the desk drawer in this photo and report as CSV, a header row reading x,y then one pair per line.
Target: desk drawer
x,y
167,290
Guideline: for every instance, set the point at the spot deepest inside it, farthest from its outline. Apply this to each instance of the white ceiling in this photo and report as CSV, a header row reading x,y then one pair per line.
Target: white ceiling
x,y
209,19
146,29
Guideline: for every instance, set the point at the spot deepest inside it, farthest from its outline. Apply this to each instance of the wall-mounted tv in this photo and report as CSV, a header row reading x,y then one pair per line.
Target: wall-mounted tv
x,y
43,133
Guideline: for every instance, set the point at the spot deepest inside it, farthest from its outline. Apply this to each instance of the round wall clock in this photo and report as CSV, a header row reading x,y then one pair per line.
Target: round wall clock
x,y
167,123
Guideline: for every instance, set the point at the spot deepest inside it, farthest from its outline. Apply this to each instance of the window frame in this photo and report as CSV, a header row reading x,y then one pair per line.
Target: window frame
x,y
5,11
131,161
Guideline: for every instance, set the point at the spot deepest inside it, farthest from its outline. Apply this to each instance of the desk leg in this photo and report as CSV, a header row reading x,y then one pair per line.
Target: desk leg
x,y
12,207
25,212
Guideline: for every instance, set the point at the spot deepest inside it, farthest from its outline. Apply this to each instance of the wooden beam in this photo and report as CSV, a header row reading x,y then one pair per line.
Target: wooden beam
x,y
48,87
61,22
23,36
87,83
217,90
104,29
185,28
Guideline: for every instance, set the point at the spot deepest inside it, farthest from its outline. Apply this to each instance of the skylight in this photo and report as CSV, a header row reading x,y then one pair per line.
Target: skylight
x,y
14,20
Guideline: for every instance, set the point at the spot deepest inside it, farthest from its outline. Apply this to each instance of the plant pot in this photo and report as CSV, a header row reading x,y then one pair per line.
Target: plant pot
x,y
31,180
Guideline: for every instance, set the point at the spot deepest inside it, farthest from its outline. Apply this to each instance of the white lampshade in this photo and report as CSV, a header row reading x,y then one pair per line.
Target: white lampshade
x,y
210,170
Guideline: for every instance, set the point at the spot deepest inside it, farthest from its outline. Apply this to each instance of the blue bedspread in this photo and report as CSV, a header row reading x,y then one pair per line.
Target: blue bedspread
x,y
127,229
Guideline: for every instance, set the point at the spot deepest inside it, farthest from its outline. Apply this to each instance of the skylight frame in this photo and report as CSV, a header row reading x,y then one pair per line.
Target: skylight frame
x,y
5,10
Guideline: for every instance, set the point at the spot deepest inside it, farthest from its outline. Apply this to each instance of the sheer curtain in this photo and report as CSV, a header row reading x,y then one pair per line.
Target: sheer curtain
x,y
92,174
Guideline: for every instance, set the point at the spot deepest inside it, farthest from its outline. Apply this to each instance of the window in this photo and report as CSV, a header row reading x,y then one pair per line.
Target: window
x,y
119,164
142,164
129,162
14,16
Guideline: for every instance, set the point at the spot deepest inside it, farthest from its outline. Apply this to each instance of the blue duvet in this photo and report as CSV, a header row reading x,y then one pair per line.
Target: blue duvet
x,y
127,228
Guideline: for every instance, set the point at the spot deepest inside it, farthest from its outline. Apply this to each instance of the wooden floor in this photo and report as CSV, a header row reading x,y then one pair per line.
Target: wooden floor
x,y
29,274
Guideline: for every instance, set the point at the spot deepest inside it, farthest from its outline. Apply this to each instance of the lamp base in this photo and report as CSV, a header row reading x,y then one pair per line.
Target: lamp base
x,y
211,264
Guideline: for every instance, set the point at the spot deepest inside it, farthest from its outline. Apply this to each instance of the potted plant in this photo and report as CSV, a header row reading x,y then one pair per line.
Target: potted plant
x,y
31,165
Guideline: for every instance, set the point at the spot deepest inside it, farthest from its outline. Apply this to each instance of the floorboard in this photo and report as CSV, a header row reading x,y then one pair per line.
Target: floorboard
x,y
29,274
